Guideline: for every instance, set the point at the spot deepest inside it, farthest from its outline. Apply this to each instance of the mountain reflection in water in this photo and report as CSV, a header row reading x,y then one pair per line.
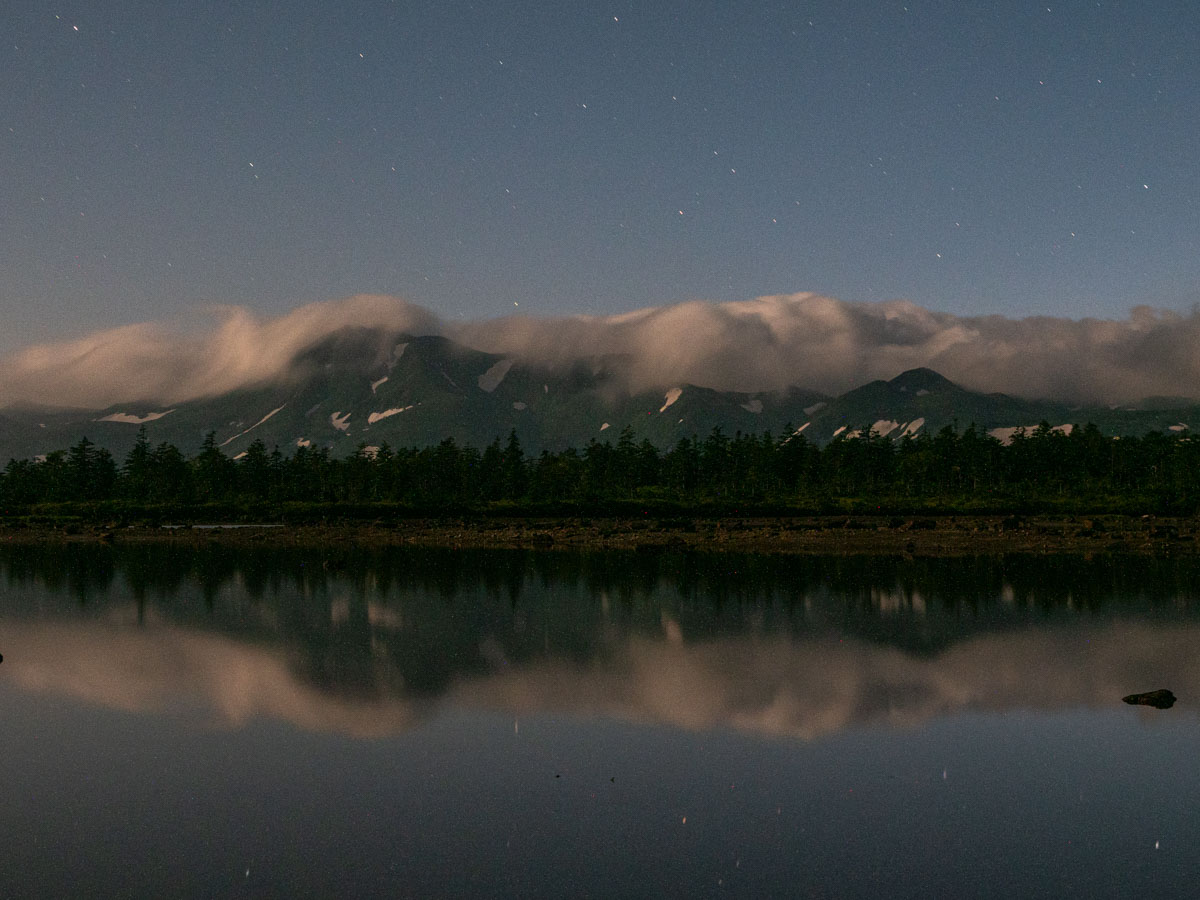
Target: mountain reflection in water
x,y
371,643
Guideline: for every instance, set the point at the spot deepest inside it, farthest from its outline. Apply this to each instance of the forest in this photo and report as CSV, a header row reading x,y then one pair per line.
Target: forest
x,y
954,469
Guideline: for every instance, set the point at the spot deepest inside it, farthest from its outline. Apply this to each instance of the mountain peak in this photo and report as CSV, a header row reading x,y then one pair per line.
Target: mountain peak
x,y
350,346
921,379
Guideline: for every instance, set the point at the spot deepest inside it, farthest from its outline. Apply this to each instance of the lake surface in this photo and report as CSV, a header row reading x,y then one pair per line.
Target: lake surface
x,y
284,723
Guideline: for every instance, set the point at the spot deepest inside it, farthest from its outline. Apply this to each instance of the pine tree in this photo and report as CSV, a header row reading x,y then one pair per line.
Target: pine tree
x,y
216,476
512,465
136,471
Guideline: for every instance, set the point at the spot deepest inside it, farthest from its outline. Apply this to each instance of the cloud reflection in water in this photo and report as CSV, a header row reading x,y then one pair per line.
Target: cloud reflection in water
x,y
769,685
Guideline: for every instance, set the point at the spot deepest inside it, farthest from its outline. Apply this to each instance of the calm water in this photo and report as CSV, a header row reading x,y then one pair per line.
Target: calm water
x,y
519,724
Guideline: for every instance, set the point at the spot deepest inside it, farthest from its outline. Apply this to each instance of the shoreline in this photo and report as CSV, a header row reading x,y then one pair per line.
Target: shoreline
x,y
962,535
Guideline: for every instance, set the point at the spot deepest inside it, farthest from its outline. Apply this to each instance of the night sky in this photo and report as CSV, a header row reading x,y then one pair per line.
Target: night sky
x,y
580,157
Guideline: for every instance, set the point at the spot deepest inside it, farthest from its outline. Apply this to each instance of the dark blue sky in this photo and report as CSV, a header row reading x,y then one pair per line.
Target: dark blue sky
x,y
993,157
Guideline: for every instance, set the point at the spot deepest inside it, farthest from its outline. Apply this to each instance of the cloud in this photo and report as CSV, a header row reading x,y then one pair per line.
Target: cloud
x,y
763,344
832,345
150,362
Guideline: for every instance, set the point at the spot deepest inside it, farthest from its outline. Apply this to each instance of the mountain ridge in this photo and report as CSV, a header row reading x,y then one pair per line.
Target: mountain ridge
x,y
364,386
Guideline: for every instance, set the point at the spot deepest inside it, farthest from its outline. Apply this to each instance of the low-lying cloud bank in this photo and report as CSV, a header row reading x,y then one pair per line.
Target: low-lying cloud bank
x,y
753,345
152,362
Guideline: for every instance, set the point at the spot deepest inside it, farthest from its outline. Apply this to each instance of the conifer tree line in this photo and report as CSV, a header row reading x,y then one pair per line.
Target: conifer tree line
x,y
952,465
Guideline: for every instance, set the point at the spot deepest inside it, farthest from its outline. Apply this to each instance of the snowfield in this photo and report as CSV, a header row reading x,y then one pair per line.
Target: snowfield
x,y
490,380
376,416
131,419
1005,435
252,427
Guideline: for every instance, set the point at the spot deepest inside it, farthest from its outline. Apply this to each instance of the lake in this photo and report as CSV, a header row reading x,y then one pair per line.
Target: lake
x,y
289,723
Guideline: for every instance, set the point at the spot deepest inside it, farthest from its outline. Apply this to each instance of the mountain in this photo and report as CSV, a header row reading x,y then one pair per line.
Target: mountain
x,y
366,387
921,399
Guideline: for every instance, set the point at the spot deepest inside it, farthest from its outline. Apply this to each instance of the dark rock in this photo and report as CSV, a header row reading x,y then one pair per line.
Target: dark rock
x,y
1160,699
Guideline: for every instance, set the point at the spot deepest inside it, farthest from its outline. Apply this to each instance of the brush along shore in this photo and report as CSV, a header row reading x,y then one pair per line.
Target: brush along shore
x,y
950,535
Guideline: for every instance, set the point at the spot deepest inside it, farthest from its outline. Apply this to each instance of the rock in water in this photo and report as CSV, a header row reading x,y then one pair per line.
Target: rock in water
x,y
1160,699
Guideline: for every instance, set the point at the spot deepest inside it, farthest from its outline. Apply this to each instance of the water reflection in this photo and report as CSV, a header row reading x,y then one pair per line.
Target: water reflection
x,y
371,642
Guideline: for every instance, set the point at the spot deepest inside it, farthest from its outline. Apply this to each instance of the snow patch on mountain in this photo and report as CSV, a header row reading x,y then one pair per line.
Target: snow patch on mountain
x,y
375,384
1180,427
754,406
252,427
889,428
605,425
796,432
672,395
131,419
922,393
303,442
490,380
338,421
239,456
839,431
809,410
376,416
1005,435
